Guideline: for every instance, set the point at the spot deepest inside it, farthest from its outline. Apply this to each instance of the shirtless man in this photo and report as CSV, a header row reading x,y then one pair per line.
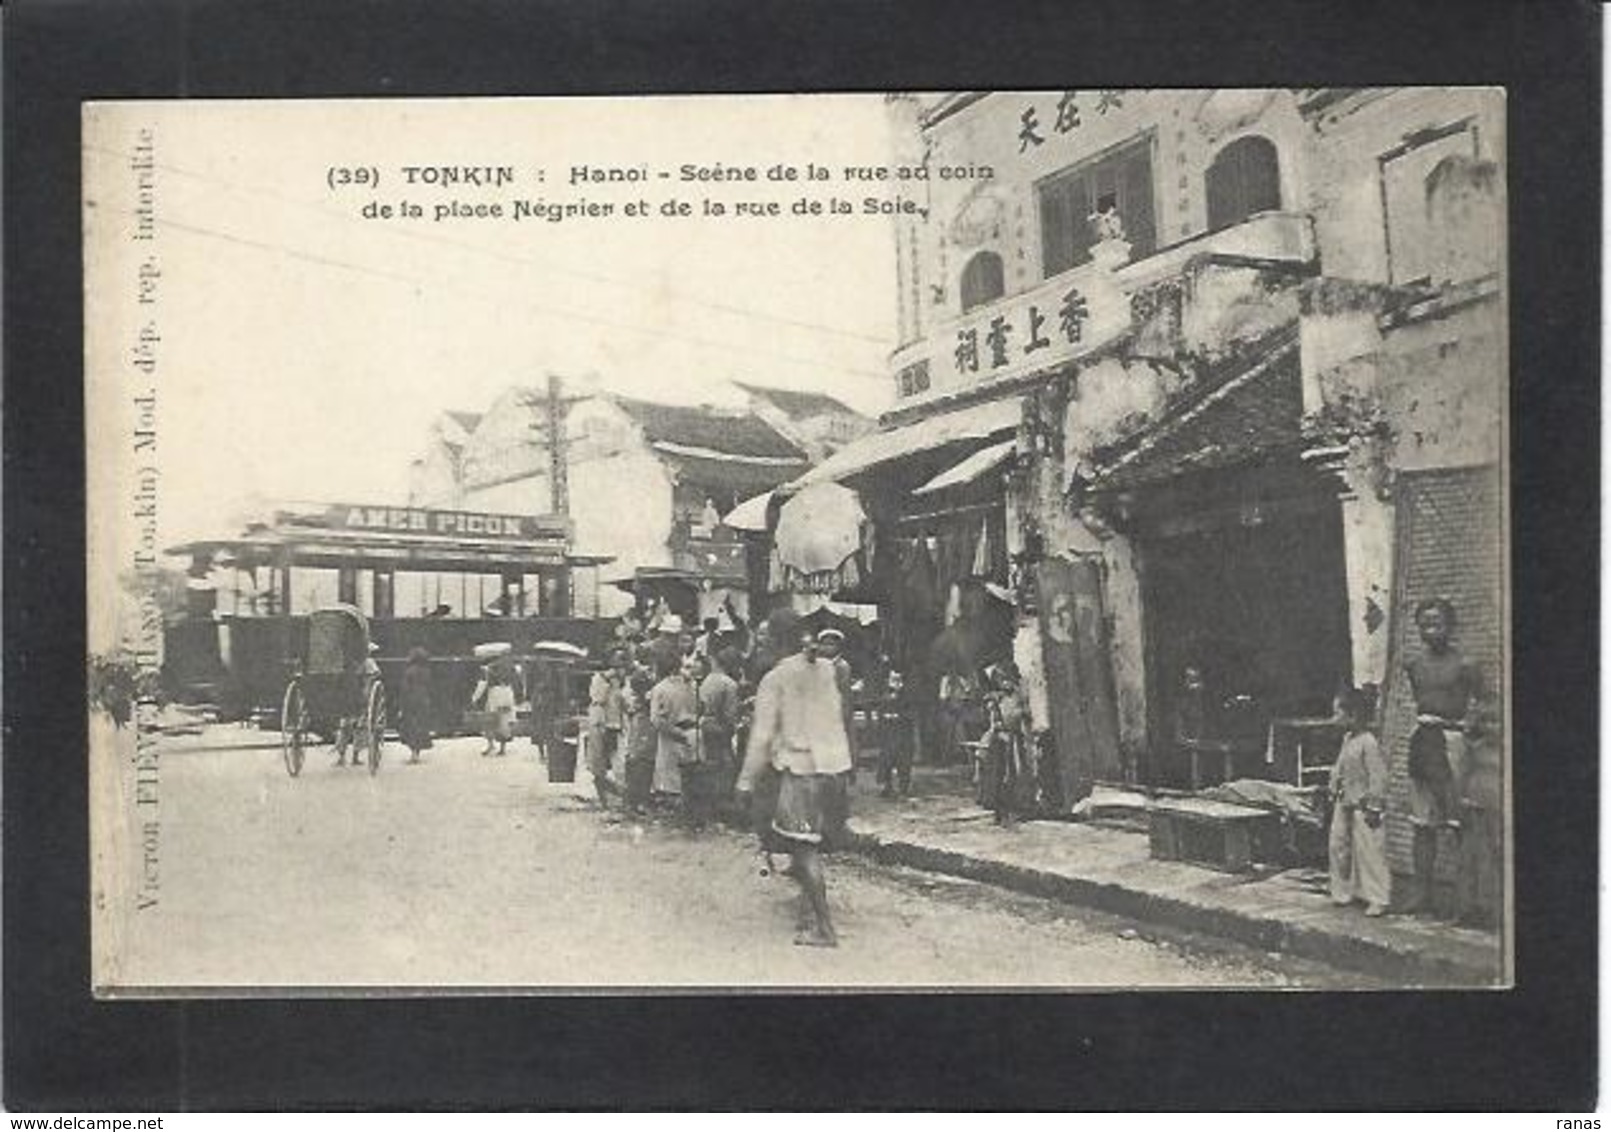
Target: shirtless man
x,y
1447,690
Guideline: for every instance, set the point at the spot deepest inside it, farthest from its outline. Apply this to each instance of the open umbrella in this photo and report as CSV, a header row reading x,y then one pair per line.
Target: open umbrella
x,y
562,649
819,528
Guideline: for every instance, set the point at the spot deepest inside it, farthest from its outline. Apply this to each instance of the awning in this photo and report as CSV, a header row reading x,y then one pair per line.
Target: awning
x,y
647,576
971,468
977,422
749,515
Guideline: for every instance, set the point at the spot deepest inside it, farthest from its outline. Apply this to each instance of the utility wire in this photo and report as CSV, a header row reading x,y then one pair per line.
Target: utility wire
x,y
556,312
507,257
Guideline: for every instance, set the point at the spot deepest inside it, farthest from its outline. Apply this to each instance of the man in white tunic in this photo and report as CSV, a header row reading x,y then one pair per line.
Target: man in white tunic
x,y
799,730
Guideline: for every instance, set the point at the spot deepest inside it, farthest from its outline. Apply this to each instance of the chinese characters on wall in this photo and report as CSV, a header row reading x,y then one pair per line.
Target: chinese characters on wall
x,y
1066,115
1001,337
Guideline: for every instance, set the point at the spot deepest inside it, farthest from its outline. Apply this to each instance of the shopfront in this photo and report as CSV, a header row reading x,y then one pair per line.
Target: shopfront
x,y
1241,563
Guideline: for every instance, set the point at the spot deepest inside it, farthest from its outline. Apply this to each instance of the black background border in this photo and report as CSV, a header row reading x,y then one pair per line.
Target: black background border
x,y
1533,1048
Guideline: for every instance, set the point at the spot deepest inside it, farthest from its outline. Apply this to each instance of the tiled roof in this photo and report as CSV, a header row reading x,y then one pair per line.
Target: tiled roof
x,y
467,421
1255,414
797,402
739,476
742,435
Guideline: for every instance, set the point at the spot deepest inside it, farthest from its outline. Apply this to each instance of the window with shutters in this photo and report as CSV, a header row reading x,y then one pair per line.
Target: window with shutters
x,y
1243,180
982,280
1120,179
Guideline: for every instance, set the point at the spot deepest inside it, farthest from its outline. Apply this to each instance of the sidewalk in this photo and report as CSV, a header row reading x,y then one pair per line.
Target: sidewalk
x,y
1107,866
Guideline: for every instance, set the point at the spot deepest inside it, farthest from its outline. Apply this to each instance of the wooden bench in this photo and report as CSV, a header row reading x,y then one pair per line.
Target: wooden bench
x,y
1203,832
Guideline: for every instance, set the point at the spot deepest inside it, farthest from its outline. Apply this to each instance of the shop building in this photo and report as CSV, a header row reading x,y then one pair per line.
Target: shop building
x,y
1174,370
646,483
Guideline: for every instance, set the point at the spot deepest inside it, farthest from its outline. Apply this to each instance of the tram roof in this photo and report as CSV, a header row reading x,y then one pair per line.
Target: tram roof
x,y
409,538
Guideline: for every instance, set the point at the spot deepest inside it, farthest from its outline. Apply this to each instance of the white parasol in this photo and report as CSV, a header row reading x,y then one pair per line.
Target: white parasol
x,y
819,528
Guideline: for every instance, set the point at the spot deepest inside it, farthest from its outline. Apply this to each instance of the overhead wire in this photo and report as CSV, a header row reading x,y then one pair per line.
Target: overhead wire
x,y
508,257
555,312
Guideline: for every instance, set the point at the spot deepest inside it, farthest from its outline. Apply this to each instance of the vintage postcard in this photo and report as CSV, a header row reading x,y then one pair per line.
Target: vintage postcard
x,y
1044,540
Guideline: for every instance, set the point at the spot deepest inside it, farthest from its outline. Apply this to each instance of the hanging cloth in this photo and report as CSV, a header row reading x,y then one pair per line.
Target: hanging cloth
x,y
983,557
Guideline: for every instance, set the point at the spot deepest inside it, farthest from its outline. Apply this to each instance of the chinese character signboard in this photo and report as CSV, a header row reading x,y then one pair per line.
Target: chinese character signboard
x,y
1067,316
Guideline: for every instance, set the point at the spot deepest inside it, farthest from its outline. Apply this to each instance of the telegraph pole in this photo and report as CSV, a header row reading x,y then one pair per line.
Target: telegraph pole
x,y
551,432
559,479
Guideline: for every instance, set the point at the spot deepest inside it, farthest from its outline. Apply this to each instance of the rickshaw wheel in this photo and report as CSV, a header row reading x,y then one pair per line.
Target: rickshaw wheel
x,y
293,728
375,724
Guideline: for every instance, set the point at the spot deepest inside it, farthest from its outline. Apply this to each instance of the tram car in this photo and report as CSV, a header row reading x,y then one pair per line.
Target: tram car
x,y
446,582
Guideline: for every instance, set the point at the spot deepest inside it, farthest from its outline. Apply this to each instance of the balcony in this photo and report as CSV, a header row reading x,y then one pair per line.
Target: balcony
x,y
1079,311
1269,237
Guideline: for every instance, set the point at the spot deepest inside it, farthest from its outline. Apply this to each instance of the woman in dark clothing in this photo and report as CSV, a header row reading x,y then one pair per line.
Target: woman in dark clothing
x,y
639,735
414,706
1007,778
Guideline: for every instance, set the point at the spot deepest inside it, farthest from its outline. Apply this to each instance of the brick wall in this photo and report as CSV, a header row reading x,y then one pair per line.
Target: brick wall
x,y
1448,542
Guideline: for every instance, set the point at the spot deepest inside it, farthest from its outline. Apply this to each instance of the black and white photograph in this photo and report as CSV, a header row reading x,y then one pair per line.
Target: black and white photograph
x,y
1017,540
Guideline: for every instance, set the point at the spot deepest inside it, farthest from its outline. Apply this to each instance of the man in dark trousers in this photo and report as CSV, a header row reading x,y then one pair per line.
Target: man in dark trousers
x,y
718,722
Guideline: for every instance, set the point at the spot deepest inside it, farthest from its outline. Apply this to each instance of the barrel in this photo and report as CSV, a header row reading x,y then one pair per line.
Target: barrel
x,y
562,753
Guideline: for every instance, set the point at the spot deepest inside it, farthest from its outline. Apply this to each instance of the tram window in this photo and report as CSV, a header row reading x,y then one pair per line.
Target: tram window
x,y
313,587
447,594
408,594
553,598
514,595
381,605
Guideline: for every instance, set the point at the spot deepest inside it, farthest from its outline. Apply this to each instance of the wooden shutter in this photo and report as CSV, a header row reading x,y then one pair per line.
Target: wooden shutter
x,y
1244,179
1079,208
982,280
1261,173
1056,231
1135,201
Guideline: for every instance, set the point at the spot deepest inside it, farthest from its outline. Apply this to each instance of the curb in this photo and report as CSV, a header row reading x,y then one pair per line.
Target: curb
x,y
1405,964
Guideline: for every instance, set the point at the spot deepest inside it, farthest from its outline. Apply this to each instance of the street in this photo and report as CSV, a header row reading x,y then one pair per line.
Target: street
x,y
472,872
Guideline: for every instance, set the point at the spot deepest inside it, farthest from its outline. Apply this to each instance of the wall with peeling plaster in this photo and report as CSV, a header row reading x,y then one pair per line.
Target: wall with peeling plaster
x,y
1353,141
1122,594
1443,387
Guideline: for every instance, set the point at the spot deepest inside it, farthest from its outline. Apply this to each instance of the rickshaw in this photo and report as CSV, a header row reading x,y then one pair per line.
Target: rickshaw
x,y
335,691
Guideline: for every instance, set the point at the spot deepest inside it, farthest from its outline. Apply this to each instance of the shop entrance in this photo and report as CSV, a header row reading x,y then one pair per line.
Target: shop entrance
x,y
1254,613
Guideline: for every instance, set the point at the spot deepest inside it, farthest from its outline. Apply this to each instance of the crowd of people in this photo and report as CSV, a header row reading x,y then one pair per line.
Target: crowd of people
x,y
755,728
